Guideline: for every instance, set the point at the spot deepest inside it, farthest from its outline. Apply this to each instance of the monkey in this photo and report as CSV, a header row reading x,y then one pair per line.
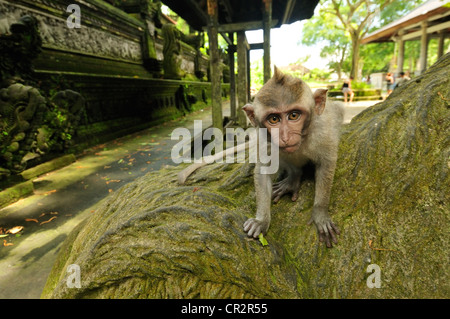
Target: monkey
x,y
306,128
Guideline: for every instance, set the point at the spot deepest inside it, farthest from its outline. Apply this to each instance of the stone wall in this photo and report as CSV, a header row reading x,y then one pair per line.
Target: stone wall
x,y
113,60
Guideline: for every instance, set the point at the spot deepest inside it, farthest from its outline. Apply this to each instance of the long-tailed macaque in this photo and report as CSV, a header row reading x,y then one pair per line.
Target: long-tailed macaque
x,y
307,129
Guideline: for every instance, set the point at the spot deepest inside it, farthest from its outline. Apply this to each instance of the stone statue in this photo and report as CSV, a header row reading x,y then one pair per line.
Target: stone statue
x,y
21,111
172,51
18,50
30,123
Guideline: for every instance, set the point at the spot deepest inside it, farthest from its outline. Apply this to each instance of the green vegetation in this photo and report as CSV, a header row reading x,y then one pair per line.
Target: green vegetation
x,y
342,26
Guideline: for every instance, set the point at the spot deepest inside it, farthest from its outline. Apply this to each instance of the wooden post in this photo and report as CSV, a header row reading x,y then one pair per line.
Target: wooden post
x,y
400,52
242,85
249,79
267,23
231,51
441,43
423,48
214,56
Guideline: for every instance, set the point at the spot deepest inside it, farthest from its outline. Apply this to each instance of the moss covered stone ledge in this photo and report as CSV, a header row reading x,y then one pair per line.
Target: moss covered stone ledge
x,y
156,239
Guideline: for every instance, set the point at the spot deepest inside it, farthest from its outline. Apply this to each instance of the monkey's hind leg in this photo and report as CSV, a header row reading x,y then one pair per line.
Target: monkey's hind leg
x,y
288,185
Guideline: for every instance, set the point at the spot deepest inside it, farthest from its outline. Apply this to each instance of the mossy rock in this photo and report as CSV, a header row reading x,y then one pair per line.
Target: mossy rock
x,y
156,239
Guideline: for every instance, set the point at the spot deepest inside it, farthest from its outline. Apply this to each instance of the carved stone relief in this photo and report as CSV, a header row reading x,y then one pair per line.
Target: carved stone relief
x,y
87,40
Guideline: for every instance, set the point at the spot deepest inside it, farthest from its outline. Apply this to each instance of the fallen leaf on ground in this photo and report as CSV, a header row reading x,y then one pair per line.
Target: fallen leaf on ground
x,y
50,192
5,243
113,181
48,221
262,240
14,230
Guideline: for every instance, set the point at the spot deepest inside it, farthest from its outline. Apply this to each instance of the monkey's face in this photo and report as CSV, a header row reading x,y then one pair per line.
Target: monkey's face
x,y
285,125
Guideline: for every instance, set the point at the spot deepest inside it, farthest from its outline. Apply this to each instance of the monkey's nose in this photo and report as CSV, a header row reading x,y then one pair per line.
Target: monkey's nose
x,y
284,140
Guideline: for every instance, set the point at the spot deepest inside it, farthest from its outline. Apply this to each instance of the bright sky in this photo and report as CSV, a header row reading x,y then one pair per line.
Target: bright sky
x,y
286,47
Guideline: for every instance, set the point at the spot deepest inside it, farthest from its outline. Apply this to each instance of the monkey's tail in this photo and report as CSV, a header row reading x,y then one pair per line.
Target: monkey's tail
x,y
184,174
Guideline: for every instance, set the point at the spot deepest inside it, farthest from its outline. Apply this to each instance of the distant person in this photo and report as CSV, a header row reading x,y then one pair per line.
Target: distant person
x,y
368,80
402,79
390,82
347,88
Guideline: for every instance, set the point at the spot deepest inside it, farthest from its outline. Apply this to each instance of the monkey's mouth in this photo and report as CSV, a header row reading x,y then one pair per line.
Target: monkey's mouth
x,y
289,148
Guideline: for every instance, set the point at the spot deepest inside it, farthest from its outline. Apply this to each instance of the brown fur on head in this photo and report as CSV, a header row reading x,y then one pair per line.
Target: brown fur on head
x,y
283,90
280,89
287,104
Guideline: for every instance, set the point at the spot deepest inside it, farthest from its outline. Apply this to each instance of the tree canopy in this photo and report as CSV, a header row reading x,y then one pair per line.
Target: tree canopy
x,y
342,25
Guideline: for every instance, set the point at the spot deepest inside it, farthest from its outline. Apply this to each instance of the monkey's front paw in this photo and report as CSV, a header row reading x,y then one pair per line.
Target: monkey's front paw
x,y
325,227
253,227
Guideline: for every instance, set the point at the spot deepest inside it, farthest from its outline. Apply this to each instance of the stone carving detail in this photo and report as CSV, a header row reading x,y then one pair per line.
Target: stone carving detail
x,y
172,51
21,111
18,49
30,124
87,40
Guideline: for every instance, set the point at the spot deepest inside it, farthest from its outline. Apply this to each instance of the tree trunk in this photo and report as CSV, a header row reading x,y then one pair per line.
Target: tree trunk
x,y
155,239
356,42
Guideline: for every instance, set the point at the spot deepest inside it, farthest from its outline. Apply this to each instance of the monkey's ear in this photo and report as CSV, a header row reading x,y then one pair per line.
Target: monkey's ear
x,y
250,111
277,74
320,98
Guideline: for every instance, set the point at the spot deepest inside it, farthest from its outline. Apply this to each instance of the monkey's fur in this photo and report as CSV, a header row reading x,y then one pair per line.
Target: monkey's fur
x,y
307,129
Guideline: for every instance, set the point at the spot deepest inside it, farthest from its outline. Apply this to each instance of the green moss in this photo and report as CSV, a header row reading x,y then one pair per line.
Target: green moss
x,y
14,193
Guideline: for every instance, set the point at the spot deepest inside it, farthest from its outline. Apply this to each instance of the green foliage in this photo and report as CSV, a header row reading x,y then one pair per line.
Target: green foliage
x,y
395,11
318,74
360,86
222,44
322,29
257,74
182,25
338,24
378,62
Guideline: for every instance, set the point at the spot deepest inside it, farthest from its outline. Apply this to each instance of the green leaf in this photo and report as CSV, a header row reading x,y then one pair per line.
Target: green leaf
x,y
263,240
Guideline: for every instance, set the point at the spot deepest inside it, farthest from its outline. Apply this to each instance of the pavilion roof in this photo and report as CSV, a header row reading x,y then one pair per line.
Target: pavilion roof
x,y
242,15
437,12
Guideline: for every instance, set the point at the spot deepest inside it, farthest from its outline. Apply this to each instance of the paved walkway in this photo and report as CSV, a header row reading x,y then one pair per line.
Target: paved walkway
x,y
65,197
352,109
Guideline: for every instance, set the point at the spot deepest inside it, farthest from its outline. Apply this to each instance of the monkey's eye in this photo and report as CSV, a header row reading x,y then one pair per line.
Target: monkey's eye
x,y
294,116
273,119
